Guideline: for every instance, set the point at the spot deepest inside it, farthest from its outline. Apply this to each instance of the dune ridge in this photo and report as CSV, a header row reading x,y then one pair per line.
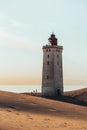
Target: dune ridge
x,y
80,94
25,112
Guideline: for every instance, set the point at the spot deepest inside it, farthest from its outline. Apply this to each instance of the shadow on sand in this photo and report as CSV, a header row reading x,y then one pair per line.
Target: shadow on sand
x,y
68,99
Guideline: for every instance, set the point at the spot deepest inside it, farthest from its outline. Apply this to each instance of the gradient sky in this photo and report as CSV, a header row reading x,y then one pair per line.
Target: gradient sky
x,y
25,26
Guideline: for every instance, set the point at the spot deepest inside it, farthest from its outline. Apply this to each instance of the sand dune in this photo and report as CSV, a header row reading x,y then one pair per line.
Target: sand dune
x,y
80,94
25,112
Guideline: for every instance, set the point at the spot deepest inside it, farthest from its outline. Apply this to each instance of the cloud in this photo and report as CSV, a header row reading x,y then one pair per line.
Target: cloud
x,y
3,28
8,37
2,16
16,23
5,20
10,40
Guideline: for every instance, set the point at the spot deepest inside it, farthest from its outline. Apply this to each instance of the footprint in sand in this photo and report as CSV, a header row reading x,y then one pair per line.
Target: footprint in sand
x,y
33,104
51,109
46,119
29,117
9,110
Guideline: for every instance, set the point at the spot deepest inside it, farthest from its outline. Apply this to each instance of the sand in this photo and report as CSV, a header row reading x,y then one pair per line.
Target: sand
x,y
80,94
22,112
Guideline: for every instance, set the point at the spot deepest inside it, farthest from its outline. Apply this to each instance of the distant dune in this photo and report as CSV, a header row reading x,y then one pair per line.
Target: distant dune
x,y
25,112
80,94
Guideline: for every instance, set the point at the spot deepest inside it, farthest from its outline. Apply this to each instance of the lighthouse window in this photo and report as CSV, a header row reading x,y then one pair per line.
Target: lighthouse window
x,y
57,63
47,62
61,73
47,77
47,50
57,56
48,55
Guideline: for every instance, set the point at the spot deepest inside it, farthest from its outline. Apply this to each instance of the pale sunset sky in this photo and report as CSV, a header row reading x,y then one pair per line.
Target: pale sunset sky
x,y
25,26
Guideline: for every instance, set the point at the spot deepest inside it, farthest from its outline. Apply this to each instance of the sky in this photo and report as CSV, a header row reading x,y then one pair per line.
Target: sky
x,y
26,25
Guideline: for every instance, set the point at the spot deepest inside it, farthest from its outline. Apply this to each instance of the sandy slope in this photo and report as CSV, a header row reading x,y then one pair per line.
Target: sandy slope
x,y
22,112
80,94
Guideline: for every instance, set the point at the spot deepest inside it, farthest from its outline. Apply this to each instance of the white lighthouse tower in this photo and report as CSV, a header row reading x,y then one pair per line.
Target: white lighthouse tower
x,y
52,75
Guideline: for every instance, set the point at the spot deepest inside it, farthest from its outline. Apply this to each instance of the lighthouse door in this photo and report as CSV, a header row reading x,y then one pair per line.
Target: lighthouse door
x,y
58,92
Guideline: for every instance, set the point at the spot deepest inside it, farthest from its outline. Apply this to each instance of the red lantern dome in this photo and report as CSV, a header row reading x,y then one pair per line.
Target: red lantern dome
x,y
53,40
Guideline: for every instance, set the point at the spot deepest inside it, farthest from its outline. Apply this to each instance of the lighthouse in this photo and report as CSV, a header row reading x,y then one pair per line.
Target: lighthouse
x,y
52,73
